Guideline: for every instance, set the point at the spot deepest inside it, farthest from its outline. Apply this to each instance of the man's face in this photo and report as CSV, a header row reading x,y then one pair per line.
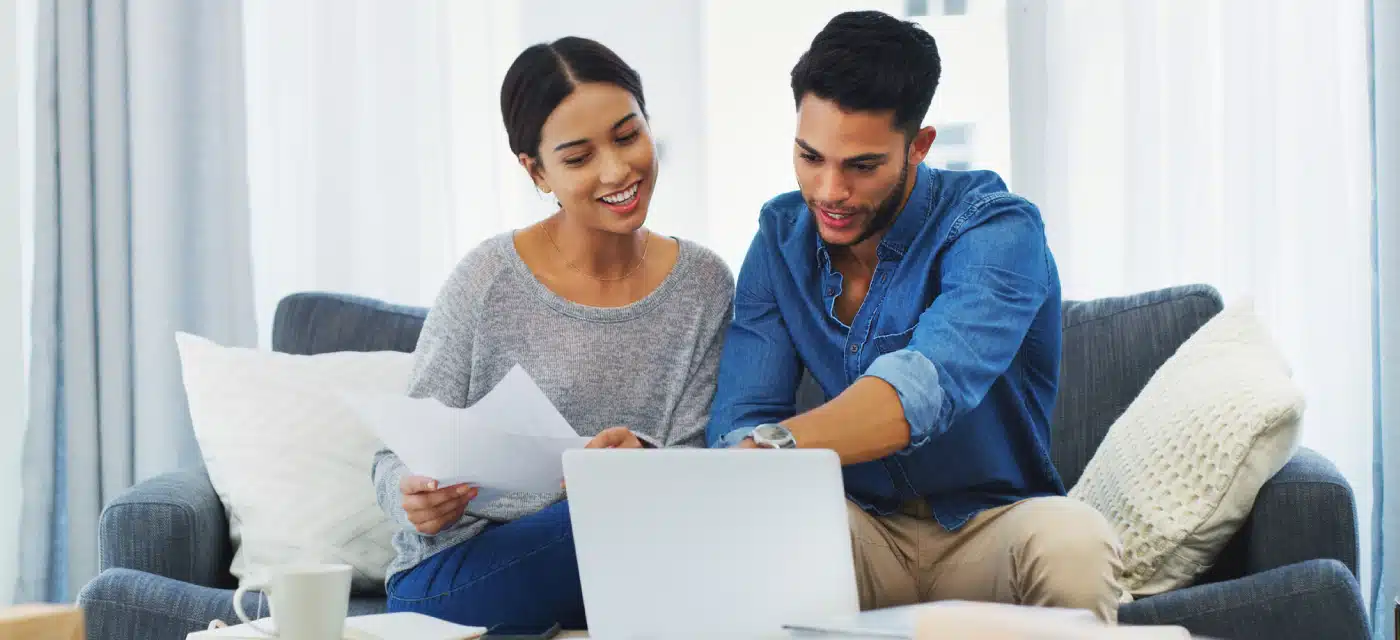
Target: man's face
x,y
853,168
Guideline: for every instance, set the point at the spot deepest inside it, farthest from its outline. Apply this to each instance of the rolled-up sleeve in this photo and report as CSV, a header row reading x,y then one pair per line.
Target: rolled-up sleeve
x,y
759,369
995,278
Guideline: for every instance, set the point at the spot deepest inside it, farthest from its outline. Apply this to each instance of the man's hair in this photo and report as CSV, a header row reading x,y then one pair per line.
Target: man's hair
x,y
871,61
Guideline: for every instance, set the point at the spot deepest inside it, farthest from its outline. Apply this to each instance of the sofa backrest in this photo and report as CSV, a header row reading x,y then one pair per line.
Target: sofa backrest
x,y
311,323
1111,348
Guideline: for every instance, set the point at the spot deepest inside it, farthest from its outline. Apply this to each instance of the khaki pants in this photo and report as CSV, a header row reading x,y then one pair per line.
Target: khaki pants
x,y
1052,551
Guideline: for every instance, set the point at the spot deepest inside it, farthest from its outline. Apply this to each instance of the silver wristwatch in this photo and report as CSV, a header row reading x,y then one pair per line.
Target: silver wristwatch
x,y
774,436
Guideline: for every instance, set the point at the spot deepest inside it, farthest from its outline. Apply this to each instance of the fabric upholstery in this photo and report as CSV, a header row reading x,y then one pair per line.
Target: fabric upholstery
x,y
171,525
124,604
1178,473
1305,511
312,323
1111,348
1289,573
1304,601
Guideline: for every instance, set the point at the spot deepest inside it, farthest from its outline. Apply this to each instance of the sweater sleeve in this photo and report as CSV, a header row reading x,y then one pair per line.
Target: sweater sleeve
x,y
441,370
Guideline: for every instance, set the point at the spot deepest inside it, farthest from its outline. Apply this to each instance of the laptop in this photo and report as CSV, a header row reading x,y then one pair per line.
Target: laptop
x,y
709,542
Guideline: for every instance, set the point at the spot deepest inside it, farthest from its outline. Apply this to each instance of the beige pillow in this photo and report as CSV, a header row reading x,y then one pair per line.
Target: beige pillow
x,y
290,462
1178,472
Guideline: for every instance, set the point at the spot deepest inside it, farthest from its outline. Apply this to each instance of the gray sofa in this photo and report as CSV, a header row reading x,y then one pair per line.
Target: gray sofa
x,y
1289,573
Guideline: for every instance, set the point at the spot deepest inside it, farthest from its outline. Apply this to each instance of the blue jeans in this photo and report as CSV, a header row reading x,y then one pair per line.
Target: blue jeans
x,y
518,573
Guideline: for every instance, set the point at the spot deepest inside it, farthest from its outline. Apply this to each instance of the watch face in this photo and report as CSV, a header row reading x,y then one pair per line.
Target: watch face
x,y
772,434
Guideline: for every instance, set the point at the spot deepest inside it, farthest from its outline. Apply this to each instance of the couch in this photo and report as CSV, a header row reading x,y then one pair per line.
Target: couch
x,y
1290,572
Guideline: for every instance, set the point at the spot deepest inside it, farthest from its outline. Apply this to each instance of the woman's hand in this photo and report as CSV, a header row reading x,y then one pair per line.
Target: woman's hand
x,y
615,438
431,509
612,438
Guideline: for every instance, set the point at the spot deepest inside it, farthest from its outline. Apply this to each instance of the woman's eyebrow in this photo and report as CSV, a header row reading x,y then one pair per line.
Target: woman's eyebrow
x,y
574,143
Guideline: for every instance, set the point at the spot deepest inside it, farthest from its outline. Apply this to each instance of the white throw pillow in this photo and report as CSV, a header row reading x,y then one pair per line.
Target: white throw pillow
x,y
1178,472
290,462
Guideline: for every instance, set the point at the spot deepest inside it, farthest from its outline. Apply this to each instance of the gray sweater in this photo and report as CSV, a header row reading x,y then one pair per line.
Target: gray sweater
x,y
650,366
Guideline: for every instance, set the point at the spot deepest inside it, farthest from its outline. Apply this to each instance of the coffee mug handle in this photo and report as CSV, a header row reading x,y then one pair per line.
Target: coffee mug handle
x,y
238,605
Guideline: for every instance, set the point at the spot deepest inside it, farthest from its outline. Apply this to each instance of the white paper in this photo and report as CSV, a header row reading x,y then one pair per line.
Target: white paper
x,y
517,405
901,621
383,626
512,440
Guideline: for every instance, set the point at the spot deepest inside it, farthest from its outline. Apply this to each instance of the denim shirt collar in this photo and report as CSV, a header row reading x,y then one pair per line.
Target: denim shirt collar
x,y
907,224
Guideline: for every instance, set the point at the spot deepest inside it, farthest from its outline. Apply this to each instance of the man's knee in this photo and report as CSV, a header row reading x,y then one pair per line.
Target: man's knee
x,y
1070,554
1060,526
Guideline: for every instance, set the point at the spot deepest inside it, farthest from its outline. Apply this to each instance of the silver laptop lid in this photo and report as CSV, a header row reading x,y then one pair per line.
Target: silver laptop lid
x,y
709,543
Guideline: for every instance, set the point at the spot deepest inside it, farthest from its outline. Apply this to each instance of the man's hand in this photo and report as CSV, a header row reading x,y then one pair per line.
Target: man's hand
x,y
615,438
431,509
747,443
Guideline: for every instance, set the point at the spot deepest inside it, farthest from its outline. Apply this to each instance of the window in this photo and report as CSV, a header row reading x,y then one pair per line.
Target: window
x,y
972,108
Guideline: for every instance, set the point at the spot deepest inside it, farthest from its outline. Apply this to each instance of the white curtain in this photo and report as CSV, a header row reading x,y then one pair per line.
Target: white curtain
x,y
376,152
17,22
140,230
1175,141
1385,584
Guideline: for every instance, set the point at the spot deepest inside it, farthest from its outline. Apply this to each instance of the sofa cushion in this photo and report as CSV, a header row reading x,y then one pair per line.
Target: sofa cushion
x,y
1179,471
1111,348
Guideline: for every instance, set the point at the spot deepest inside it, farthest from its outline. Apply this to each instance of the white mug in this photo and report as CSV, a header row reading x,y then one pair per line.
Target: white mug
x,y
307,601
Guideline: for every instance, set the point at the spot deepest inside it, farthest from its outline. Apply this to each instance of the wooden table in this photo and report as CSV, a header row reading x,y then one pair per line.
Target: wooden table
x,y
46,621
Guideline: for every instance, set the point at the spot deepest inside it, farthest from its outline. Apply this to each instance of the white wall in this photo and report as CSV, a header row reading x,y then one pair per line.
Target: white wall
x,y
749,109
974,89
15,72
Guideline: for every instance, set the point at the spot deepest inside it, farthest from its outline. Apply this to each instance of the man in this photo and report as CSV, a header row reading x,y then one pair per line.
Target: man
x,y
925,305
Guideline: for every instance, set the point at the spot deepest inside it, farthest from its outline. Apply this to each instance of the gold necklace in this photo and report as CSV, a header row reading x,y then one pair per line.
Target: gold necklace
x,y
646,244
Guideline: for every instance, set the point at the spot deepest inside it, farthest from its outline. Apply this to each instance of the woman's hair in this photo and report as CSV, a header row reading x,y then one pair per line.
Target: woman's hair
x,y
543,75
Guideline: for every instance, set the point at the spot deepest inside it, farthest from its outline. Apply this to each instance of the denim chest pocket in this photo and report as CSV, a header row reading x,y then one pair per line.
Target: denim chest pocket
x,y
894,341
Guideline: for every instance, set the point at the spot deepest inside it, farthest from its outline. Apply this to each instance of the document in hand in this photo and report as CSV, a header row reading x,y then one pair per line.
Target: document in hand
x,y
511,440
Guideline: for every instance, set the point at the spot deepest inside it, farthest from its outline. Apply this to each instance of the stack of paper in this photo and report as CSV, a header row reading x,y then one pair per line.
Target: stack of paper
x,y
902,622
982,620
512,440
384,626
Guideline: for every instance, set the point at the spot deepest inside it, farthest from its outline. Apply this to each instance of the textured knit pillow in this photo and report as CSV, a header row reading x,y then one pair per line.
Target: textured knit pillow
x,y
289,461
1178,472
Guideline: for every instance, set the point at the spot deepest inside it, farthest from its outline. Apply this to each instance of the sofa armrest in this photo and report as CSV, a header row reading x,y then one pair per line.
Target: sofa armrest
x,y
1305,512
1313,599
171,525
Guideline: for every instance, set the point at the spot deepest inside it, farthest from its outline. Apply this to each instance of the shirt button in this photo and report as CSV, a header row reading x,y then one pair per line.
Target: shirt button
x,y
831,291
855,348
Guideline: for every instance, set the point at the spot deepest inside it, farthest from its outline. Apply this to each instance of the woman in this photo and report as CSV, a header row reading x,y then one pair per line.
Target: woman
x,y
619,326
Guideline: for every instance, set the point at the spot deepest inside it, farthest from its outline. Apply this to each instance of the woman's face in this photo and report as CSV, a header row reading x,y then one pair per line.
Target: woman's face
x,y
597,157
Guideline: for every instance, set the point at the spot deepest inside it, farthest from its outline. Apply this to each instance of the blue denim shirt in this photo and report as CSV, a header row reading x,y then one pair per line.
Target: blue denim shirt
x,y
962,318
